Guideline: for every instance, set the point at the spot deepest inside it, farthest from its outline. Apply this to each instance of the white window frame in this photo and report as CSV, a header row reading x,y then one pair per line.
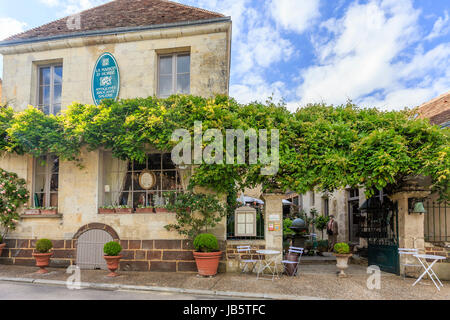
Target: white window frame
x,y
52,85
48,177
174,72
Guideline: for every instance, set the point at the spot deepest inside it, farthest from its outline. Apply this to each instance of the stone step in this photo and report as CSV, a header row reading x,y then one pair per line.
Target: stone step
x,y
317,260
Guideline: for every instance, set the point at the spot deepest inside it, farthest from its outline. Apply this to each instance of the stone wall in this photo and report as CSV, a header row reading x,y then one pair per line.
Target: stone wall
x,y
138,255
442,269
233,256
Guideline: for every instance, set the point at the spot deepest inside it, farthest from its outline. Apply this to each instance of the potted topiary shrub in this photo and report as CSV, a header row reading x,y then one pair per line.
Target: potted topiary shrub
x,y
112,250
342,253
42,254
207,254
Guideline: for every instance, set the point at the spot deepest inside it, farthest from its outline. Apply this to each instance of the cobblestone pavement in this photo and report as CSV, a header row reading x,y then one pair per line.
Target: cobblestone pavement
x,y
316,281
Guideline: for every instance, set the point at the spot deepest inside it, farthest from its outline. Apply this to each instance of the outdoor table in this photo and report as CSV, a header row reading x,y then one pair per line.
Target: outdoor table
x,y
266,264
428,267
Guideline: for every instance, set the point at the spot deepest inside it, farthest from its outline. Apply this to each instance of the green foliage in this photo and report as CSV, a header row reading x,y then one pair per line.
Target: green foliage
x,y
195,212
286,224
1,238
206,242
44,246
341,248
321,223
322,244
13,194
112,249
321,147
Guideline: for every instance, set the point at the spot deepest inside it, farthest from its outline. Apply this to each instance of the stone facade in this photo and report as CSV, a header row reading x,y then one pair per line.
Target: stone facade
x,y
147,245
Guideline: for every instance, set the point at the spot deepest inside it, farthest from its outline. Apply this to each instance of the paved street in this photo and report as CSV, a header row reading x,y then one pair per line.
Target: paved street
x,y
16,291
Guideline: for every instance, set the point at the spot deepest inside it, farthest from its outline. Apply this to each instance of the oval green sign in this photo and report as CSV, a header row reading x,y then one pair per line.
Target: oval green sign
x,y
105,79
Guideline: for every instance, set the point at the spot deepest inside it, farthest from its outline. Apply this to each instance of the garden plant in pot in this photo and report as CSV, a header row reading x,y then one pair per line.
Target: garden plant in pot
x,y
195,214
43,254
207,254
342,254
112,250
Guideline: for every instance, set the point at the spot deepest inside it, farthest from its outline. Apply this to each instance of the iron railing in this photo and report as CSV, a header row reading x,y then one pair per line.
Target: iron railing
x,y
437,221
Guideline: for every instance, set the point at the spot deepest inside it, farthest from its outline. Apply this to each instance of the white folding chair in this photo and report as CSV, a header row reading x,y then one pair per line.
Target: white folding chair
x,y
246,262
297,250
408,252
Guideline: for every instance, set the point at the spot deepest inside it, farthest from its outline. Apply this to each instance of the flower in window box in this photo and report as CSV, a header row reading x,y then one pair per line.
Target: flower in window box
x,y
49,210
161,209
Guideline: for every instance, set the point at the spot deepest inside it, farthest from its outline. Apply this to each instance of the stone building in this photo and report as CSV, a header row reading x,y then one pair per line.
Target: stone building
x,y
142,48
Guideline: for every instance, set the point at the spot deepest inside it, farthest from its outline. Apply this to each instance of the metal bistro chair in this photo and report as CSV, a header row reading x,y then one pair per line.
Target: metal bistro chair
x,y
411,252
288,262
246,262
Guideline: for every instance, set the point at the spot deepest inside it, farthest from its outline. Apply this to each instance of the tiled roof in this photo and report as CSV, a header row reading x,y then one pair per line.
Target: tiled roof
x,y
122,14
437,110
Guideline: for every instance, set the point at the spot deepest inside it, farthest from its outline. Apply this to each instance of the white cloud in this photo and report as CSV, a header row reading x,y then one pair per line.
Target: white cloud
x,y
361,59
254,87
10,26
295,15
441,27
50,3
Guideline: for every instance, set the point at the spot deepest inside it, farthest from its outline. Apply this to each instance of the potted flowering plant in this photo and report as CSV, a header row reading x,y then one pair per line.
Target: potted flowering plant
x,y
42,254
13,194
106,210
49,210
124,209
32,211
342,254
112,250
145,209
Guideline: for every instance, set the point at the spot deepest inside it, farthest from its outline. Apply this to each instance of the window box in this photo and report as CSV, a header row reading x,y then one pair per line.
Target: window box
x,y
124,210
32,211
145,210
49,211
106,210
161,210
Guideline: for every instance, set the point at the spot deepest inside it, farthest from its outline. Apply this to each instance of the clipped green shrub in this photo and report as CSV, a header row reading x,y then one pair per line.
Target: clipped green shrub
x,y
112,249
44,246
1,239
206,242
341,248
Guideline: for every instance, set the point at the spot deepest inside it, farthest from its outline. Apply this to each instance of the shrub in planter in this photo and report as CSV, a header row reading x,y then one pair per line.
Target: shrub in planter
x,y
2,245
124,209
145,209
342,253
42,254
49,210
322,246
112,250
207,254
106,210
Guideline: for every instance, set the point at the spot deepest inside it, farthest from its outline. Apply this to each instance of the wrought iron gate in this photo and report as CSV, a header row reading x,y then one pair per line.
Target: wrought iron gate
x,y
379,225
90,249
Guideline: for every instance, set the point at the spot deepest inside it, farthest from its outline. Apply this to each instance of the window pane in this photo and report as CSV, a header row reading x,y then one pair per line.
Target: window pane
x,y
167,161
44,95
56,109
57,94
57,75
169,180
54,183
154,161
40,165
183,83
45,109
139,166
183,64
44,76
39,183
165,65
139,199
165,85
54,199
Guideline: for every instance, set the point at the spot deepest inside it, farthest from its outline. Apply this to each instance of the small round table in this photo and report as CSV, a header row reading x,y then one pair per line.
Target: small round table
x,y
428,267
267,263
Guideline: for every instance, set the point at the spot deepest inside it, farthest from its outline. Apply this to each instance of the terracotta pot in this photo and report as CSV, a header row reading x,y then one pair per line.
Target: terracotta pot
x,y
207,262
161,210
32,211
113,264
42,261
342,263
2,245
145,210
124,210
47,211
106,211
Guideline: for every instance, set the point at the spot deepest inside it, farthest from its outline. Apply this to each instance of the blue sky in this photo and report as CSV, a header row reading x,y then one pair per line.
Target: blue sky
x,y
384,53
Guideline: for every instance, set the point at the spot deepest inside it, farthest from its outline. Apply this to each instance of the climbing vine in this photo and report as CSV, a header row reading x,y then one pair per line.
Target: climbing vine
x,y
321,146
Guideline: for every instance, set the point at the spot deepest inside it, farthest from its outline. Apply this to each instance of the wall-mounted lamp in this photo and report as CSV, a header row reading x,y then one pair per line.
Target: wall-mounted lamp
x,y
415,205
